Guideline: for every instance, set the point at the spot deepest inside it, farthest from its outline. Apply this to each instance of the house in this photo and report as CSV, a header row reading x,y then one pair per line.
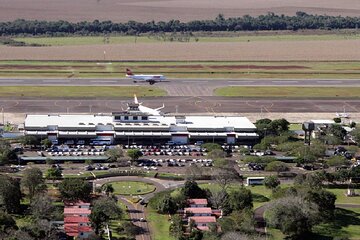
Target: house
x,y
198,211
202,223
76,220
198,202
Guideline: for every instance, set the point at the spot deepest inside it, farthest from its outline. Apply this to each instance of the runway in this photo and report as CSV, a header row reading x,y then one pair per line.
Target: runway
x,y
194,105
182,87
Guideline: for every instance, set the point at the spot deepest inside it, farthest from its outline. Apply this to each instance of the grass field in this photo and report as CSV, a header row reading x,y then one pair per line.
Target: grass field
x,y
75,91
96,40
289,92
159,225
132,188
184,69
268,50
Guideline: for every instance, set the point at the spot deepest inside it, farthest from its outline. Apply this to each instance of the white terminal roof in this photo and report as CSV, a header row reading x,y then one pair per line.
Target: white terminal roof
x,y
89,120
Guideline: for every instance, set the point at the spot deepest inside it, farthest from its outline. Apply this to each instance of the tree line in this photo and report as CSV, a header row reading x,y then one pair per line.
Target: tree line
x,y
269,21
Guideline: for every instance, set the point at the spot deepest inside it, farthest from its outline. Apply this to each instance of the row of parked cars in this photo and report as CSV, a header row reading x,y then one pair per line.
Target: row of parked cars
x,y
154,163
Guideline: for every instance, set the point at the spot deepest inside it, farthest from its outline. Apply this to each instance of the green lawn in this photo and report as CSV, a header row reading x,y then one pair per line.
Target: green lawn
x,y
295,126
342,198
84,91
289,92
346,224
159,225
132,188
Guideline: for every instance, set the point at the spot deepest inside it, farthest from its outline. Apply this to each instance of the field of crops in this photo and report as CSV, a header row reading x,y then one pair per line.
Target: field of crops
x,y
185,10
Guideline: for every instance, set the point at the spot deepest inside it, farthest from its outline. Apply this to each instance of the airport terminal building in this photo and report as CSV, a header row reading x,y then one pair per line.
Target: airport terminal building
x,y
139,124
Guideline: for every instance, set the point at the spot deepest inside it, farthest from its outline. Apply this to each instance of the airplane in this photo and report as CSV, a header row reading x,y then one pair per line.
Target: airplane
x,y
152,111
151,79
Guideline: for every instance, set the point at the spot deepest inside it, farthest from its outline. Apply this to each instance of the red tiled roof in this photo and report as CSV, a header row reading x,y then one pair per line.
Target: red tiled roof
x,y
73,211
76,219
202,201
199,210
74,229
207,219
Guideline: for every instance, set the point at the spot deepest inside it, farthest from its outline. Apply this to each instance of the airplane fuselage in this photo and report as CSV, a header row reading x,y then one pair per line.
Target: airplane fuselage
x,y
147,78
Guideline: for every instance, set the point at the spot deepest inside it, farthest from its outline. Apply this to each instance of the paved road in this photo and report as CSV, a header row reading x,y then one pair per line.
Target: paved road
x,y
193,105
137,211
181,87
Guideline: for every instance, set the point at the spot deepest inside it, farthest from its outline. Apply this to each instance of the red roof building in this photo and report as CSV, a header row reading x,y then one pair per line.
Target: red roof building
x,y
198,202
200,211
82,212
76,220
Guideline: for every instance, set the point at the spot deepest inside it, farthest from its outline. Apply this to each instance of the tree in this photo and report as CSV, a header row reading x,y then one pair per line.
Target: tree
x,y
355,133
29,141
46,143
337,120
10,194
224,177
192,190
7,224
193,172
75,189
176,227
276,166
271,182
244,220
219,199
216,154
166,205
241,199
104,209
107,188
53,173
211,146
134,154
311,180
337,161
41,207
337,131
325,201
240,236
33,180
114,154
292,215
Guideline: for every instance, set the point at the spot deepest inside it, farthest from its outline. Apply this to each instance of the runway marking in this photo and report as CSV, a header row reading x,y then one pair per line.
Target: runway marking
x,y
240,81
56,81
329,81
284,81
11,81
354,108
201,81
104,81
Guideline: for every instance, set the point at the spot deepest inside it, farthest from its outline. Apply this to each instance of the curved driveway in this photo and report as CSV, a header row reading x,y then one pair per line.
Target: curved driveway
x,y
137,211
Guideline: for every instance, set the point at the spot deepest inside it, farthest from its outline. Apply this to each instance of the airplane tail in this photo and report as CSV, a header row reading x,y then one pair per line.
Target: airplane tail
x,y
129,72
135,99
